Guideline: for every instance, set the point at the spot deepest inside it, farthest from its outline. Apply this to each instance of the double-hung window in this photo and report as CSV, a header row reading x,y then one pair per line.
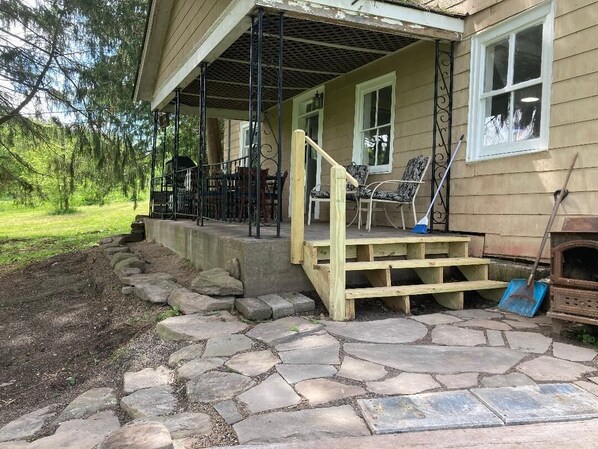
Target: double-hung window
x,y
510,86
243,142
374,123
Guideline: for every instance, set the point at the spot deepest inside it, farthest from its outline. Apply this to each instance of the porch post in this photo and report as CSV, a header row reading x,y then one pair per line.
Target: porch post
x,y
201,156
175,162
338,195
297,191
153,172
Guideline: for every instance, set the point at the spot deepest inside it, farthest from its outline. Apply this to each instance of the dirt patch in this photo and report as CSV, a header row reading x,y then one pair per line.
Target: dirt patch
x,y
66,327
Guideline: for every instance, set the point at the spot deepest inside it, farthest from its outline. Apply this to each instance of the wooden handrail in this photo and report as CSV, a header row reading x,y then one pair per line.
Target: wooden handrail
x,y
329,159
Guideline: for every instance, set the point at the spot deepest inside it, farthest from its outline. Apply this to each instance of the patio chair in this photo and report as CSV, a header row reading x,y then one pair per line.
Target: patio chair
x,y
359,172
407,188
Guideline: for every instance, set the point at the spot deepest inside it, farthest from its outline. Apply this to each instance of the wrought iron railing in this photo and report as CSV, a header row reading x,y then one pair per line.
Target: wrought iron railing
x,y
169,200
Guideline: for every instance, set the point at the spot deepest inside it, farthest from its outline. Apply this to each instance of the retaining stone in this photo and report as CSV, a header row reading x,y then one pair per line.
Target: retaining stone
x,y
116,258
217,282
301,303
190,302
253,308
155,292
27,425
280,306
113,250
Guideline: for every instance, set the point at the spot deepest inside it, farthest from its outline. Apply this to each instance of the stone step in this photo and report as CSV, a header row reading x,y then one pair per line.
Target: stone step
x,y
422,289
408,263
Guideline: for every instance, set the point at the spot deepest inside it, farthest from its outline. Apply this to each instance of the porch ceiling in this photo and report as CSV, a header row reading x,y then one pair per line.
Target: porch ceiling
x,y
314,53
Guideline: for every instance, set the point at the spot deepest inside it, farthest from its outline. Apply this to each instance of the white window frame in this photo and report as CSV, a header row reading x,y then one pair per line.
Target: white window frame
x,y
243,145
541,14
361,90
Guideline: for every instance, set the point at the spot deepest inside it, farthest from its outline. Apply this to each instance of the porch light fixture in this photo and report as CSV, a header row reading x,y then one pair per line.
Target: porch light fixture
x,y
529,99
164,119
318,100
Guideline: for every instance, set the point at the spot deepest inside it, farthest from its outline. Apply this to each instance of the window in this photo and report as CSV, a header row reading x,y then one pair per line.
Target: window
x,y
510,86
243,141
374,123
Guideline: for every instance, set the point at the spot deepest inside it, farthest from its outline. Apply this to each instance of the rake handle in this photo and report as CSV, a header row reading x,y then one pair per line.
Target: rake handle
x,y
561,196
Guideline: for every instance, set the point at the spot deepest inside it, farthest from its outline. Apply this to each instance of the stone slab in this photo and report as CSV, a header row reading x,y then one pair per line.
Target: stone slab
x,y
551,369
156,401
528,341
321,391
455,336
539,403
217,386
156,292
588,386
185,354
391,330
227,345
271,394
89,403
301,303
426,411
404,383
507,380
229,411
319,348
573,353
182,425
469,314
435,319
253,309
437,359
294,373
465,380
129,263
495,338
253,363
516,324
121,255
145,278
150,435
361,370
485,324
27,425
199,327
217,282
312,424
280,306
195,367
190,302
283,330
147,378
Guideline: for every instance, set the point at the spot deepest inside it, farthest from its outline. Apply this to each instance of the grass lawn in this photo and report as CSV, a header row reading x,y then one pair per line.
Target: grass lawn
x,y
28,235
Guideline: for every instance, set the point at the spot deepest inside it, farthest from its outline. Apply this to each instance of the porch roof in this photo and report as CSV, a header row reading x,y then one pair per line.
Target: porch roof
x,y
323,39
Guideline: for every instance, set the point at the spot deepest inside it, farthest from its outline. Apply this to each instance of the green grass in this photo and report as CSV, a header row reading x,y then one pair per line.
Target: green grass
x,y
28,235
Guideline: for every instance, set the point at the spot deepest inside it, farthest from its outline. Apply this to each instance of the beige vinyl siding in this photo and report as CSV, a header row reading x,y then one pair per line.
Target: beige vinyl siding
x,y
189,22
235,139
510,199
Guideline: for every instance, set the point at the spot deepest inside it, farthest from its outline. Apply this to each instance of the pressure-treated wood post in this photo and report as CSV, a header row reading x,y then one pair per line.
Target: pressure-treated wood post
x,y
297,195
338,198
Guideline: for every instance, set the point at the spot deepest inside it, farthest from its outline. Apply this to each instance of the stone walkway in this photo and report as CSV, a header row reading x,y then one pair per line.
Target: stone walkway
x,y
300,378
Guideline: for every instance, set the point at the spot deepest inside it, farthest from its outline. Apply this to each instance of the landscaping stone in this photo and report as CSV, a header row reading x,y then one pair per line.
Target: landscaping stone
x,y
227,345
539,403
435,319
280,306
253,308
196,367
151,435
311,424
485,324
89,403
156,401
217,282
495,338
301,303
271,394
437,359
296,373
427,411
361,370
181,425
229,412
27,425
283,330
404,383
155,292
217,386
120,256
185,354
253,363
455,336
391,330
465,380
125,272
113,250
551,369
233,266
199,327
319,349
189,302
145,278
507,380
321,391
106,240
572,352
147,378
127,290
593,379
528,341
588,386
129,263
516,324
469,314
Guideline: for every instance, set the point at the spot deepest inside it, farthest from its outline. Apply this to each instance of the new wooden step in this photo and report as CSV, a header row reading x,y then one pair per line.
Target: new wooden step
x,y
408,263
393,240
422,289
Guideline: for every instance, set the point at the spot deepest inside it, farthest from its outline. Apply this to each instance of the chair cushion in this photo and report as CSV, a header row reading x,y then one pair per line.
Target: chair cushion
x,y
383,195
414,171
319,194
359,172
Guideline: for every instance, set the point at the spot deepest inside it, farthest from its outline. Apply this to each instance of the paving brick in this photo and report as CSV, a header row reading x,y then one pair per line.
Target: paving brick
x,y
280,306
301,302
253,308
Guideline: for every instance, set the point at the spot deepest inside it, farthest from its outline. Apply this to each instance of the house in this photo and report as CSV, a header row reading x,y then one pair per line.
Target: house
x,y
378,83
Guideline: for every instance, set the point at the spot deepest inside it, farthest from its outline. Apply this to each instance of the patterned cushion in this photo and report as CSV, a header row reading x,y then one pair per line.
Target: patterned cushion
x,y
319,194
359,172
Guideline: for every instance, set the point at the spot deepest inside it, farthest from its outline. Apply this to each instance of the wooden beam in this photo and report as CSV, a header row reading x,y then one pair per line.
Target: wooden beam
x,y
297,195
266,86
339,309
290,69
331,45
